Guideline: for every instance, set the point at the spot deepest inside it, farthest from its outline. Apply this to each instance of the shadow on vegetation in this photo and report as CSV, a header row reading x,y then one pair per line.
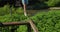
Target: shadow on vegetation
x,y
37,5
33,5
57,5
14,3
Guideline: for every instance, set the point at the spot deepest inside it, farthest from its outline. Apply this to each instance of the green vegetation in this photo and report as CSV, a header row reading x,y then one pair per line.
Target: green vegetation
x,y
14,17
17,15
40,4
53,2
6,10
45,21
48,21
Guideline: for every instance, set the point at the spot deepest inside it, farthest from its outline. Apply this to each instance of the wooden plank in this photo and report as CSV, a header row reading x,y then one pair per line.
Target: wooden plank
x,y
14,23
29,24
54,8
33,26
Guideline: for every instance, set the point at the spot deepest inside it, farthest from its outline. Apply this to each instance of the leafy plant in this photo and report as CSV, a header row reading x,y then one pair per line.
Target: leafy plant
x,y
53,2
48,21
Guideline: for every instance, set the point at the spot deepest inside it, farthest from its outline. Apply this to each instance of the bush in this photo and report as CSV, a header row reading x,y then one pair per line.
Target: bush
x,y
53,2
17,15
13,18
6,10
47,21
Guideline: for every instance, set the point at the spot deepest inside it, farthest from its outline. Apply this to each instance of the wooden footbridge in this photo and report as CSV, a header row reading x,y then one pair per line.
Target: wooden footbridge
x,y
30,25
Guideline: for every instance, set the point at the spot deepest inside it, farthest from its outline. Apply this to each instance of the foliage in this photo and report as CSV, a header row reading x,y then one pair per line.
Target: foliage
x,y
22,28
17,15
53,2
13,17
47,21
6,10
46,3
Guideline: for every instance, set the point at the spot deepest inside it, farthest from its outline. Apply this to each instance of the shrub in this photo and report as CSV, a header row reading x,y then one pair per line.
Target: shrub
x,y
17,15
53,2
6,10
13,18
47,21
